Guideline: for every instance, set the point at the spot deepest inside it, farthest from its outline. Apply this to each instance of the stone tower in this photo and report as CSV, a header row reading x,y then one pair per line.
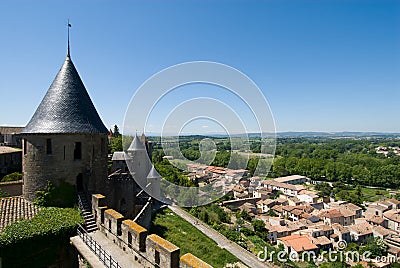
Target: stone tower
x,y
65,141
147,144
153,182
138,161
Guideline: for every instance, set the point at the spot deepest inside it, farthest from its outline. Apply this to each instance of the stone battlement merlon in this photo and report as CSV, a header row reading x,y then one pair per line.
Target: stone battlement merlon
x,y
189,260
132,238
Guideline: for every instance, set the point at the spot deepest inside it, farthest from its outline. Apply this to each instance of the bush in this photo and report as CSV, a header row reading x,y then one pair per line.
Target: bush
x,y
63,195
258,225
49,222
247,231
2,193
40,240
16,176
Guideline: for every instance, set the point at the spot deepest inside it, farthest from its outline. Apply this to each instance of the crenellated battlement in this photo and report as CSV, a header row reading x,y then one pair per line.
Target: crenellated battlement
x,y
148,250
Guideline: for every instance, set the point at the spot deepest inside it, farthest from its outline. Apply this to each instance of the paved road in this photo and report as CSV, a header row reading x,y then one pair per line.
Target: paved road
x,y
246,257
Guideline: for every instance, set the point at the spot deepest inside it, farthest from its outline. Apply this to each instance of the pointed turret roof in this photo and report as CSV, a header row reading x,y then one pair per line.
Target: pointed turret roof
x,y
153,174
66,107
136,145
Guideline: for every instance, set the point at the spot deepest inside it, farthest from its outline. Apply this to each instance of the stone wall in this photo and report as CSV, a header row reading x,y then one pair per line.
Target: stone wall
x,y
147,250
235,204
144,216
121,193
39,166
10,162
12,188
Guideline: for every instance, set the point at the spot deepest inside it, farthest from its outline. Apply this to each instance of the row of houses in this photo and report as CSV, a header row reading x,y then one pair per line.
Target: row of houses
x,y
207,174
386,150
299,220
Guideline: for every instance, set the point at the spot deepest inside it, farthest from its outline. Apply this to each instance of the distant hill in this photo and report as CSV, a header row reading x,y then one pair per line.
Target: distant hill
x,y
337,134
295,134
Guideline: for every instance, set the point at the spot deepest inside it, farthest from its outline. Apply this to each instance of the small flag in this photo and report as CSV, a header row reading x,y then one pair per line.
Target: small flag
x,y
69,25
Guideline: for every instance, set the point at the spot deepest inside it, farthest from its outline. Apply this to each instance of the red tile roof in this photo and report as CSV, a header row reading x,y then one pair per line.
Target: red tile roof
x,y
333,213
299,243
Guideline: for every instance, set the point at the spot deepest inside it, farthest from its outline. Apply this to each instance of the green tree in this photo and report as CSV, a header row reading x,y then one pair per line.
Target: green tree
x,y
258,225
376,246
252,164
244,215
239,221
271,213
116,144
324,189
116,132
358,190
333,265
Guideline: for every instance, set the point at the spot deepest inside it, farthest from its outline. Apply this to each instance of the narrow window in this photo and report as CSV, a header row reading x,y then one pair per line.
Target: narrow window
x,y
64,152
78,150
49,149
119,230
157,257
25,146
102,217
129,239
109,225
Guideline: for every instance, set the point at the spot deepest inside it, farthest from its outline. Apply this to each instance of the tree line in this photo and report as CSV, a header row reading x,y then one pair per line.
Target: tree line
x,y
346,160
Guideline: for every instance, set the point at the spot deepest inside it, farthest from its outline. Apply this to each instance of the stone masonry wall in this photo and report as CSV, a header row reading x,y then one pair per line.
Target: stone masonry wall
x,y
40,167
12,188
147,250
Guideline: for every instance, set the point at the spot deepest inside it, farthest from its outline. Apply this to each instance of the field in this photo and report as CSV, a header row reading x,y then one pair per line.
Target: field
x,y
190,240
372,195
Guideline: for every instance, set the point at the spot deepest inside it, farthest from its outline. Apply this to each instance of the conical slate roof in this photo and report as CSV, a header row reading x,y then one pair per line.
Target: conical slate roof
x,y
136,145
153,174
66,107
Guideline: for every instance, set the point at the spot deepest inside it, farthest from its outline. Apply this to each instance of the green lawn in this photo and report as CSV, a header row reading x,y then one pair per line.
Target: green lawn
x,y
190,240
372,195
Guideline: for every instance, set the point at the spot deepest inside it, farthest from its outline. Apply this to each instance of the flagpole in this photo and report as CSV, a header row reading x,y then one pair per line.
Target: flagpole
x,y
68,36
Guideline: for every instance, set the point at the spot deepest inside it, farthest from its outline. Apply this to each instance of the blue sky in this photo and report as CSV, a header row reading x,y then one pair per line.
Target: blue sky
x,y
322,65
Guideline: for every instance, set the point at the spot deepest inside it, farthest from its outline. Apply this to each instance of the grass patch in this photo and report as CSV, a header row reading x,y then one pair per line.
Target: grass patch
x,y
259,244
372,195
173,228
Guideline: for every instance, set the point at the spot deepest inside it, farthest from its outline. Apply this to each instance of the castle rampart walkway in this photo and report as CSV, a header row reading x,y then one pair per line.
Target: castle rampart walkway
x,y
246,257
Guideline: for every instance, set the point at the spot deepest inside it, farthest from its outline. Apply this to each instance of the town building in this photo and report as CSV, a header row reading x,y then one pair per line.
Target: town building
x,y
10,136
287,189
10,160
293,179
393,219
360,232
297,244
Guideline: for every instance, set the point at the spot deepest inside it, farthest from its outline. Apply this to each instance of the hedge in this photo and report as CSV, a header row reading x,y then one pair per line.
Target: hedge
x,y
42,240
16,176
